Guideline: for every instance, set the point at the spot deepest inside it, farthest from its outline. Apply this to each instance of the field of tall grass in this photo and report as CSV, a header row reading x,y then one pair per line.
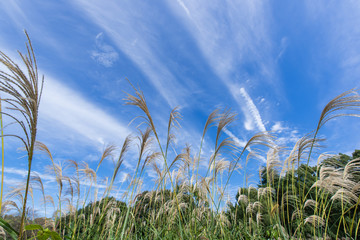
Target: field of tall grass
x,y
293,200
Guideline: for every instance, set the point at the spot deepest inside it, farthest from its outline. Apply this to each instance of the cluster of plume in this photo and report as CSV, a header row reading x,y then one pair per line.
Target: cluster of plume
x,y
188,200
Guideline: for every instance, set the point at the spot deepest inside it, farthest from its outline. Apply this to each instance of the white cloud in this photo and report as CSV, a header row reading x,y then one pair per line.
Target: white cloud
x,y
23,173
248,123
288,137
277,127
123,177
104,54
238,142
254,112
129,28
231,34
16,13
182,4
44,177
64,112
283,46
60,104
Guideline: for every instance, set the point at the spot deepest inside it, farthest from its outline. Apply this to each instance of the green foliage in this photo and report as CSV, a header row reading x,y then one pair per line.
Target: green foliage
x,y
43,234
280,206
9,230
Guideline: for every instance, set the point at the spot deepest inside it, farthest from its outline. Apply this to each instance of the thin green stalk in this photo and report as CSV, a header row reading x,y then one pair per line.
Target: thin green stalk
x,y
342,218
353,219
269,197
316,197
231,172
132,192
77,203
287,197
338,229
2,157
328,217
26,191
357,228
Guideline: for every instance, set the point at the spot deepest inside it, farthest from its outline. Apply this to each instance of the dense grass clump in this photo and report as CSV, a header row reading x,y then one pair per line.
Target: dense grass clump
x,y
293,200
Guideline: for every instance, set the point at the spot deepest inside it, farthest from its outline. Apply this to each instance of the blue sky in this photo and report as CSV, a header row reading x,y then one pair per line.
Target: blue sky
x,y
275,63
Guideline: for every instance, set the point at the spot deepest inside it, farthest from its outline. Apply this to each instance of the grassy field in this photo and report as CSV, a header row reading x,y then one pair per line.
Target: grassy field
x,y
293,200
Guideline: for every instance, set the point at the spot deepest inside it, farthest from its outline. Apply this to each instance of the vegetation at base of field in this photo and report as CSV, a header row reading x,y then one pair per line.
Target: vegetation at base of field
x,y
294,199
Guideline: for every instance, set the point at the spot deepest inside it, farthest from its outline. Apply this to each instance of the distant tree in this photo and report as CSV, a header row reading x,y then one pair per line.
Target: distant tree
x,y
356,154
286,201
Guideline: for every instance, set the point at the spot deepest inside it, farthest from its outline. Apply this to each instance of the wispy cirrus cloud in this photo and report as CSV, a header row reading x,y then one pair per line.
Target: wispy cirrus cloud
x,y
48,178
69,121
237,141
229,34
63,105
64,111
16,13
278,127
253,111
104,53
136,38
23,173
283,46
182,4
233,36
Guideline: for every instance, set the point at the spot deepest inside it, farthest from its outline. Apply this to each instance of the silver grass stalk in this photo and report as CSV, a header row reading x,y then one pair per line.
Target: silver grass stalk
x,y
24,90
345,104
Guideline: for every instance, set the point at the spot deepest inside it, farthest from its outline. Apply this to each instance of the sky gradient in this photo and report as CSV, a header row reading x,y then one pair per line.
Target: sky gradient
x,y
275,63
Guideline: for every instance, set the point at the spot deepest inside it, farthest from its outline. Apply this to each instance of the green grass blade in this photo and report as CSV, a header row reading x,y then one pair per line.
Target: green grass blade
x,y
6,226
